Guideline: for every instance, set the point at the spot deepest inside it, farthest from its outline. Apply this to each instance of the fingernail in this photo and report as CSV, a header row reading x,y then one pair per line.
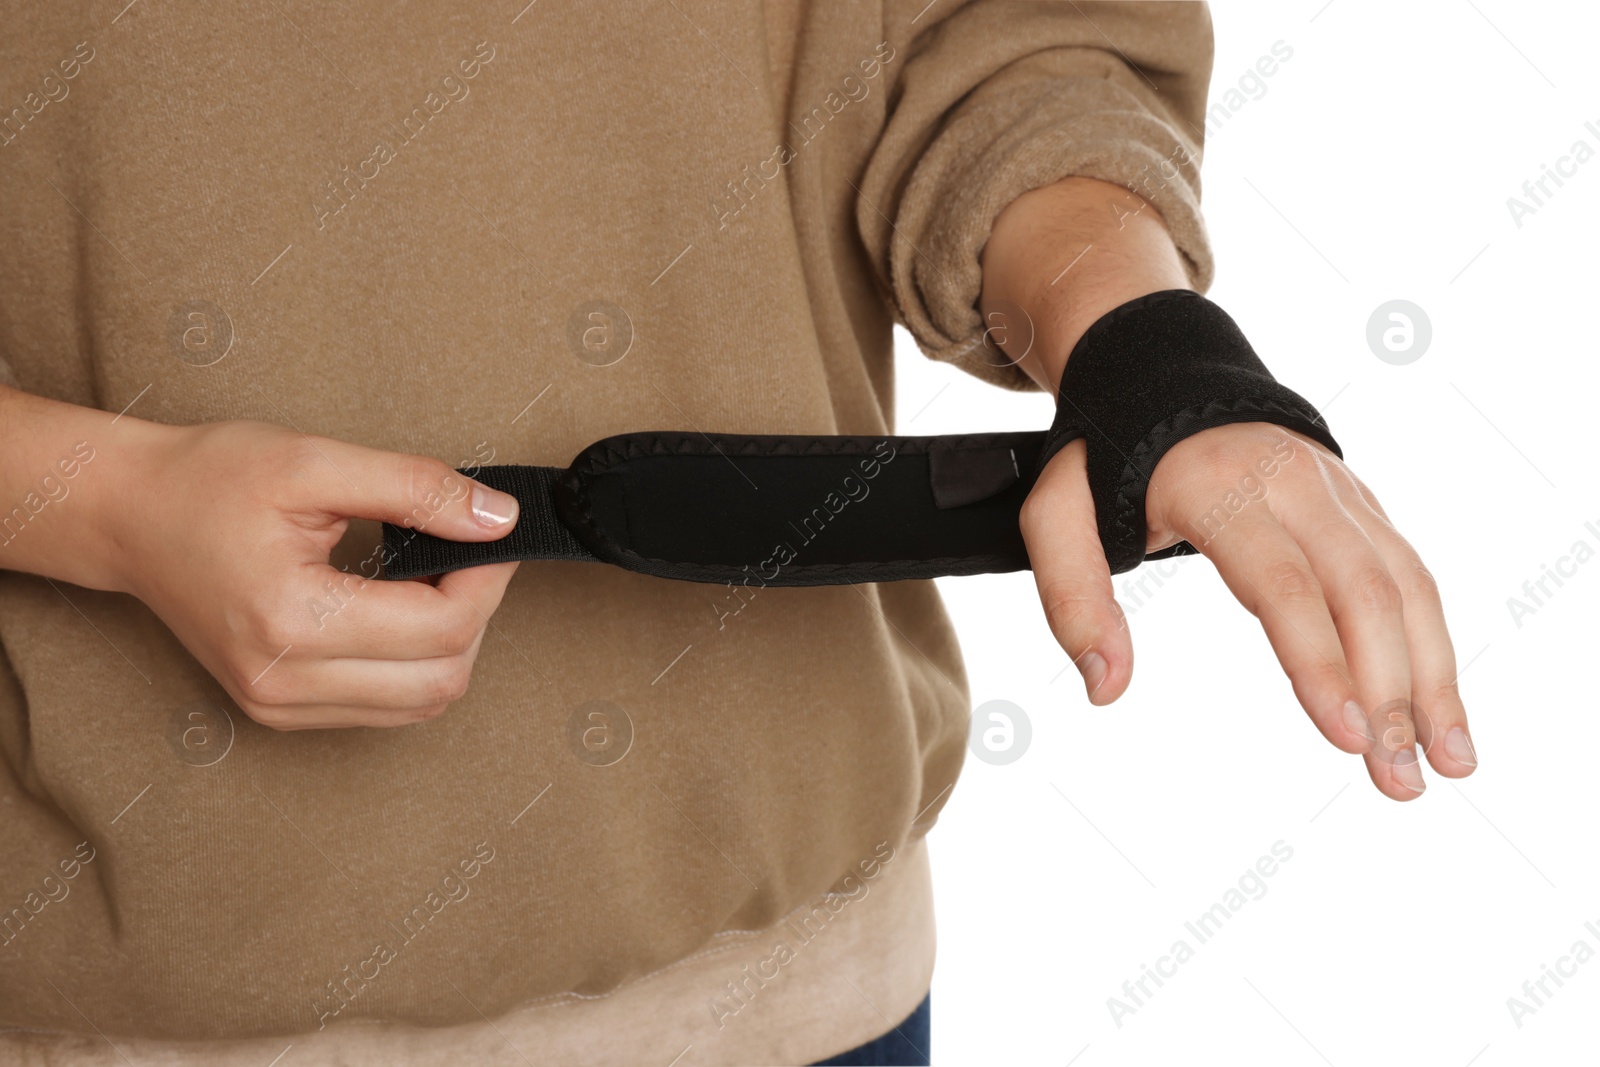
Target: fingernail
x,y
1355,717
1458,746
1407,771
1092,665
492,507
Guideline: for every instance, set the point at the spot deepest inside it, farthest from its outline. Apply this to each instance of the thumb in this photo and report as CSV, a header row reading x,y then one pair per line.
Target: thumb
x,y
412,491
1058,526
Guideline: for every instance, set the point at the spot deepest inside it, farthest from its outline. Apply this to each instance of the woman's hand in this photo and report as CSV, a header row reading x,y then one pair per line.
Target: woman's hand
x,y
224,530
1351,612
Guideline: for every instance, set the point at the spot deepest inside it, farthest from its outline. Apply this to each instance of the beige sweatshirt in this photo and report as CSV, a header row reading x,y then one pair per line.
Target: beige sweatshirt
x,y
496,233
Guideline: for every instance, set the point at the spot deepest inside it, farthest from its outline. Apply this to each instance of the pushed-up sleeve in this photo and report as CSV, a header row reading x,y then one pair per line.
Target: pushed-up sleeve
x,y
998,98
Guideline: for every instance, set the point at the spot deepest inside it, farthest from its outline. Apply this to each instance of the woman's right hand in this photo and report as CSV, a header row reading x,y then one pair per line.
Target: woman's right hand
x,y
224,530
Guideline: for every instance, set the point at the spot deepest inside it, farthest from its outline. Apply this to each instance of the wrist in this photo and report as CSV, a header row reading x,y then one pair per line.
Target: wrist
x,y
1152,373
136,455
1062,256
54,475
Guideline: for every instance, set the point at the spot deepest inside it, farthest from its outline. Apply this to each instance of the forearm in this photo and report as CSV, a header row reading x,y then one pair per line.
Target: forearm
x,y
62,470
1062,256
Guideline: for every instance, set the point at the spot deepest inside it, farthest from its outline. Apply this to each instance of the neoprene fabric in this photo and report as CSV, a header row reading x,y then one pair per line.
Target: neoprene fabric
x,y
760,510
1145,376
754,509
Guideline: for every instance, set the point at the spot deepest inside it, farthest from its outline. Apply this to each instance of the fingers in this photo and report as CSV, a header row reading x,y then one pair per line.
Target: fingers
x,y
1351,612
480,589
361,618
290,718
296,642
377,692
413,491
1369,612
1058,526
1268,573
1438,713
424,641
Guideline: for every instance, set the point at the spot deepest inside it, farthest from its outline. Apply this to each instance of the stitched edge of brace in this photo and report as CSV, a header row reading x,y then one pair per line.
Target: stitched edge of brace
x,y
1127,505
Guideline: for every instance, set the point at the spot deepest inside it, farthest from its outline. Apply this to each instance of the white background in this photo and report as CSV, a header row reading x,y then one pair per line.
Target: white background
x,y
1376,166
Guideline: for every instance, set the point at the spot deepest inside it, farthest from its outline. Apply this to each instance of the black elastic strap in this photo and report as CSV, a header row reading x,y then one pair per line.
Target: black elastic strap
x,y
797,511
539,533
781,511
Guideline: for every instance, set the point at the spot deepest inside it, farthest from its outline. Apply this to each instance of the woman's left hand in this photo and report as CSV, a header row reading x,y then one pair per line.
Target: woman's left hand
x,y
1348,607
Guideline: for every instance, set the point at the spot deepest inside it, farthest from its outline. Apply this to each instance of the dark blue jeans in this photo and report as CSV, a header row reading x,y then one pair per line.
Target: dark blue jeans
x,y
906,1045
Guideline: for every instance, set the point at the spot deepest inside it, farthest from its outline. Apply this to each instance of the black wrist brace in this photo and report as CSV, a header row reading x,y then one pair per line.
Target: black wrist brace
x,y
841,510
1145,376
